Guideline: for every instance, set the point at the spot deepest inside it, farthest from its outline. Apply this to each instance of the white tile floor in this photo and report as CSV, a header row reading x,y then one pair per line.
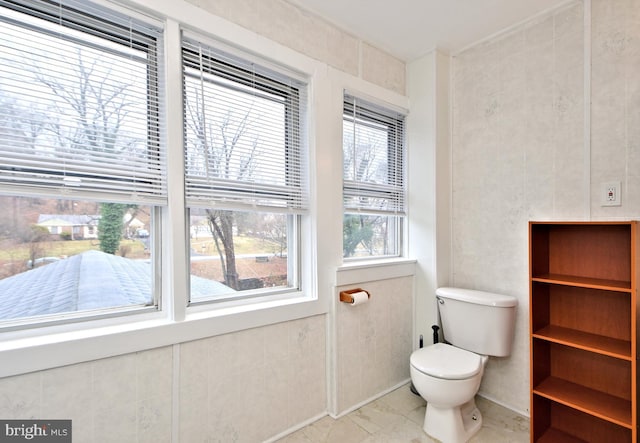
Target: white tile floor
x,y
398,417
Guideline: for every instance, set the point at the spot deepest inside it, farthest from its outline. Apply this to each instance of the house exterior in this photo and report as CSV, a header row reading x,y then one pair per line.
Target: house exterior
x,y
79,226
83,227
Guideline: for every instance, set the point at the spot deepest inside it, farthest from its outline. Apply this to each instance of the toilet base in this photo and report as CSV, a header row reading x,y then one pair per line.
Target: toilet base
x,y
453,425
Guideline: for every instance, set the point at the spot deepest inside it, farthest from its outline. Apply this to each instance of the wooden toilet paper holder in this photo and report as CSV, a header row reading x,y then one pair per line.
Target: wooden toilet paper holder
x,y
347,297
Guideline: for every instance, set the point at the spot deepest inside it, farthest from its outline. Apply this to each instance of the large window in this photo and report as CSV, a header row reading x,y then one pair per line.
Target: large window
x,y
373,180
82,166
245,169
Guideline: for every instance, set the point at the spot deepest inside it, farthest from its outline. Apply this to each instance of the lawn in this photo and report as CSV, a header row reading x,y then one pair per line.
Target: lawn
x,y
13,258
64,248
243,245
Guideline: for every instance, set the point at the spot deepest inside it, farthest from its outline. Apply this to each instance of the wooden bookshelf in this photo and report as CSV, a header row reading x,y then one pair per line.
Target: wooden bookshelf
x,y
584,340
583,325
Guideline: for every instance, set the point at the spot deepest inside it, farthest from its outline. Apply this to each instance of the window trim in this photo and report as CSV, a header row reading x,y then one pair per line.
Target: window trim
x,y
226,63
373,112
149,35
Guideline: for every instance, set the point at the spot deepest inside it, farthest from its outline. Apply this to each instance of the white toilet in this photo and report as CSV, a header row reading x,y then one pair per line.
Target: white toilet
x,y
447,375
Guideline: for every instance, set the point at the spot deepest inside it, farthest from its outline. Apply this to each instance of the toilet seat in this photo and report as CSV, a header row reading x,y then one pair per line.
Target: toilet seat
x,y
444,361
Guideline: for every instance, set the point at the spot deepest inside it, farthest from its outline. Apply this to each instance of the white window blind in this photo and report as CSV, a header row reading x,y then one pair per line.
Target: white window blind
x,y
80,102
373,158
243,133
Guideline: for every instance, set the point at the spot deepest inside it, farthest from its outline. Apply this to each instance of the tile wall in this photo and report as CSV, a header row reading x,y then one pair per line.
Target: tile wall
x,y
519,150
308,34
246,386
615,105
124,398
254,384
373,341
517,155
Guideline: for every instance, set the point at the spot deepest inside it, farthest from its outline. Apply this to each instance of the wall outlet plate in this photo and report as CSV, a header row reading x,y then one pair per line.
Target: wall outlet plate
x,y
611,193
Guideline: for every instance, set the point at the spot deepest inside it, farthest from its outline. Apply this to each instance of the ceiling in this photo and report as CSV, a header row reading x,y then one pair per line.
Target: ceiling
x,y
409,29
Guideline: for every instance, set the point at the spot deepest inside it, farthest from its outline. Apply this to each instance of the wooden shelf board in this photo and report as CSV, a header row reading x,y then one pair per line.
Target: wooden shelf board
x,y
599,404
584,282
552,435
583,340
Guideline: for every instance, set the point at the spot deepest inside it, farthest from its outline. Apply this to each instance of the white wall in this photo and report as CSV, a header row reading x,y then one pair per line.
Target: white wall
x,y
245,386
527,145
429,190
254,384
307,34
372,341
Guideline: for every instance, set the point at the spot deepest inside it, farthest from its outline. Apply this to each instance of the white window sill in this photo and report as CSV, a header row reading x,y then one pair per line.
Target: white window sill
x,y
353,272
81,342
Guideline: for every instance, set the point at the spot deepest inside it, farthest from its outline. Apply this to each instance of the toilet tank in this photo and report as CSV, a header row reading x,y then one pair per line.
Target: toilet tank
x,y
480,322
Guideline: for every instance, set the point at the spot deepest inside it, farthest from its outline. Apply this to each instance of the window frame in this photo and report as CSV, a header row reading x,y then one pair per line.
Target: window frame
x,y
96,21
266,78
371,113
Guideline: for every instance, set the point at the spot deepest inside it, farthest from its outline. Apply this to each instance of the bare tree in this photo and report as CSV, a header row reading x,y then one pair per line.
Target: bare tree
x,y
19,123
20,127
94,109
215,145
273,230
88,120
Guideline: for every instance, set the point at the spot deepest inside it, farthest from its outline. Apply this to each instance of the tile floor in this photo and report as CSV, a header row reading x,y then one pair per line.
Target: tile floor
x,y
398,417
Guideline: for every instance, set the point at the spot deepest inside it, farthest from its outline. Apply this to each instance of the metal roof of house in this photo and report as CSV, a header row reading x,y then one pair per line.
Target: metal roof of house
x,y
91,280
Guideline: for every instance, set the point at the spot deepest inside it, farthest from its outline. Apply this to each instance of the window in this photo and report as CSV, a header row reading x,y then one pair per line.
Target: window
x,y
81,161
245,173
373,180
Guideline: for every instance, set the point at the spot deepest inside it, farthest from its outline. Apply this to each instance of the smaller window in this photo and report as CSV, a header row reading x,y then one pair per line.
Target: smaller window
x,y
373,180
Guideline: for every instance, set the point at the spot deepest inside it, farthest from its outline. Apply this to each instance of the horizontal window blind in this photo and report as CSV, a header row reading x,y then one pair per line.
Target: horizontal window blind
x,y
373,158
80,102
243,129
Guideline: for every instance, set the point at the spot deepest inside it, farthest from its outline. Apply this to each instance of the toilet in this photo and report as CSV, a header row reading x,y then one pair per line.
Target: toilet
x,y
447,375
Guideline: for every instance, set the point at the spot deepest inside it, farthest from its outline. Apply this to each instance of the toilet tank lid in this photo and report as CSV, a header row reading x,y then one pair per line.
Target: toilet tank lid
x,y
478,297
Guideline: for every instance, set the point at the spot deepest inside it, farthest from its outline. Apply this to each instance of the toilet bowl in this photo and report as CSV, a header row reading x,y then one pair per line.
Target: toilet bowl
x,y
476,325
448,378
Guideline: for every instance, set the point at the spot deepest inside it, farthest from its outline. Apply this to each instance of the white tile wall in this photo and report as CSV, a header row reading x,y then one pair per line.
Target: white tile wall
x,y
245,386
517,155
615,109
382,69
304,32
519,150
374,341
253,384
124,398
